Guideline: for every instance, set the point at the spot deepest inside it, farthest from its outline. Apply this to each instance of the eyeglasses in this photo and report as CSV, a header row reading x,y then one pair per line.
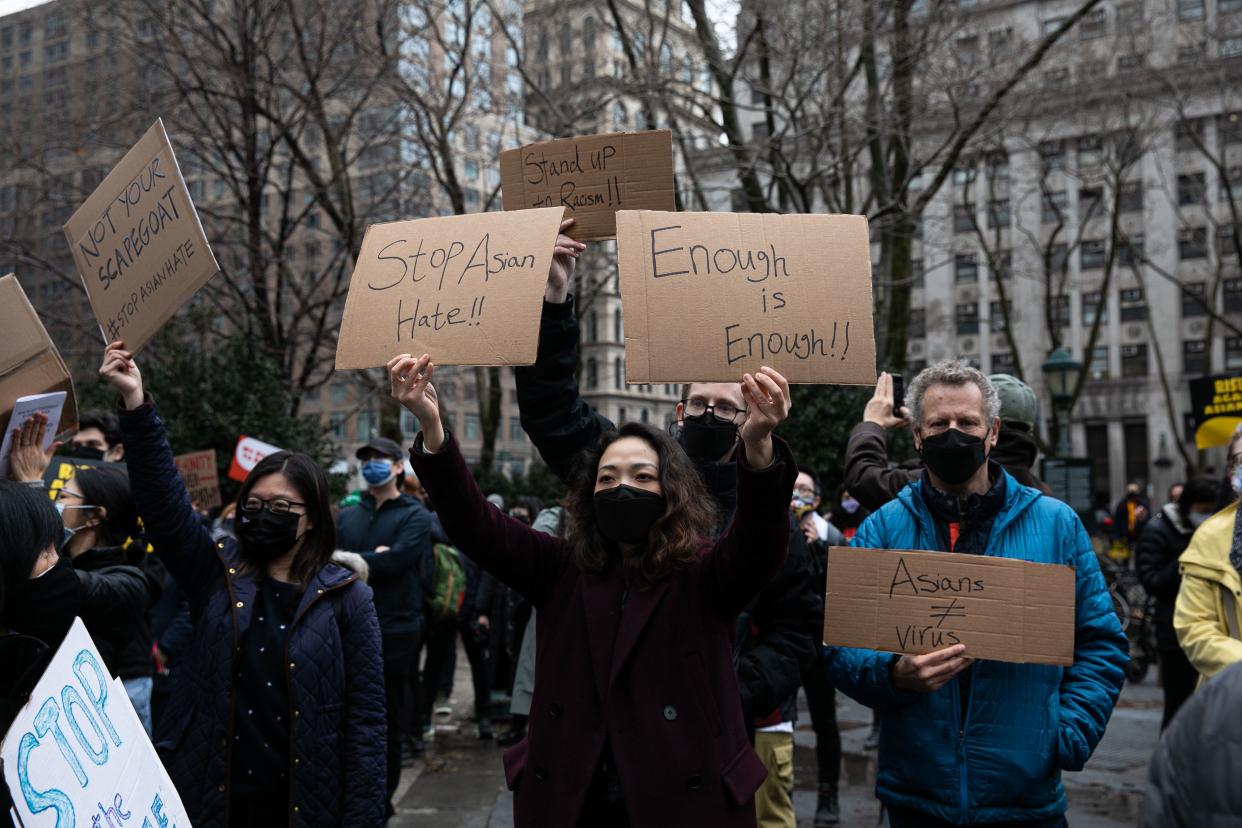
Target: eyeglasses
x,y
1235,459
727,412
805,491
278,506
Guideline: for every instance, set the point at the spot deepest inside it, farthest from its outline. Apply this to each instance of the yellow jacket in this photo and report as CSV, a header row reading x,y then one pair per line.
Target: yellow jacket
x,y
1199,614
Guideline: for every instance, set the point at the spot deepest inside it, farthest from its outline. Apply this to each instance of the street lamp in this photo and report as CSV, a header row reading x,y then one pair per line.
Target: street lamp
x,y
1060,371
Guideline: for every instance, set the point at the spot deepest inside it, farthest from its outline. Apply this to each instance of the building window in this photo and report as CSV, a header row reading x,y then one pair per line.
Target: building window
x,y
967,316
1134,360
963,218
1055,204
1061,310
1229,6
998,213
966,268
1194,299
1226,241
1191,189
917,325
1130,199
1092,254
1058,258
1090,303
1133,306
1092,25
1190,9
1099,363
1129,15
1194,357
592,378
337,393
1233,296
1052,155
1192,243
1233,353
1187,135
1090,200
997,314
470,426
617,325
1135,434
1230,125
1004,265
1003,363
516,434
593,327
1097,450
1231,184
618,377
1090,147
1130,250
1230,47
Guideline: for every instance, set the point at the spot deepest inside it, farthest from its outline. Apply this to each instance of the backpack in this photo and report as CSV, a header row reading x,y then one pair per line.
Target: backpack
x,y
448,591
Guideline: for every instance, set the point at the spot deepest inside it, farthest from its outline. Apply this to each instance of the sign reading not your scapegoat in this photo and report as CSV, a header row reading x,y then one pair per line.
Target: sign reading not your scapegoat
x,y
1002,609
466,289
706,296
138,244
76,755
591,177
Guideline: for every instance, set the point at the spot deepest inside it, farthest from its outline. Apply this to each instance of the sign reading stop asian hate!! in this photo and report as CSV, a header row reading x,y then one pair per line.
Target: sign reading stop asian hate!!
x,y
138,243
466,289
707,296
76,755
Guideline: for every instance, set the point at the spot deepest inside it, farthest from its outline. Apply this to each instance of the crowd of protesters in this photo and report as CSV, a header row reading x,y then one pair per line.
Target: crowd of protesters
x,y
651,631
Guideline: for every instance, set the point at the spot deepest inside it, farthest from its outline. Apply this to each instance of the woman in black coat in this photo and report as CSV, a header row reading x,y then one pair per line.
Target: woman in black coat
x,y
1163,540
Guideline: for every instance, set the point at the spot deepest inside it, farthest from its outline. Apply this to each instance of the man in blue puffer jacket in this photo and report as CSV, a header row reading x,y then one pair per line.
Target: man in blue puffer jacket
x,y
966,742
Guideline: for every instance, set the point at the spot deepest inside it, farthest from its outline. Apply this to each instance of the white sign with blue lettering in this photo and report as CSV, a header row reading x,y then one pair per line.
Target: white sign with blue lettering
x,y
77,756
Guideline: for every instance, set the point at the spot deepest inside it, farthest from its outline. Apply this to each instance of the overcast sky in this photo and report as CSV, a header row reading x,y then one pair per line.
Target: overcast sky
x,y
10,6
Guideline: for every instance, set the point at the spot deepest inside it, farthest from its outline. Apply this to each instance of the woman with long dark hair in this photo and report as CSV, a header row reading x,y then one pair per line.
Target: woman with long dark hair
x,y
277,709
636,717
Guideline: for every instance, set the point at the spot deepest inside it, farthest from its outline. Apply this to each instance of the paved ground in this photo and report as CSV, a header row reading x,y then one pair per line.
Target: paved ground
x,y
461,783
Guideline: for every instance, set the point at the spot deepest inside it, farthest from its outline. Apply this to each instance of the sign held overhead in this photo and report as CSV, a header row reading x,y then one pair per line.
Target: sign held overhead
x,y
591,177
138,243
466,289
29,361
1002,609
706,296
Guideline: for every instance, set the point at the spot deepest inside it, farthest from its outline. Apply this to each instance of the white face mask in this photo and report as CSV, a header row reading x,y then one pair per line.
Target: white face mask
x,y
1197,519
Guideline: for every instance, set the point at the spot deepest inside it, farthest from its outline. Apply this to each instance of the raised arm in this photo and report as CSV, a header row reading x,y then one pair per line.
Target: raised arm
x,y
526,560
554,415
171,525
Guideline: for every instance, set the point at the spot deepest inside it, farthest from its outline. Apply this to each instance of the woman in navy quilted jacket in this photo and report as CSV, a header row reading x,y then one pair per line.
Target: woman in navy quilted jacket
x,y
277,710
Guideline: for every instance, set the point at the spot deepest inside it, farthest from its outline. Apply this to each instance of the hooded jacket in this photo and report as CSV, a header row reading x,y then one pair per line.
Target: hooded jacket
x,y
1001,758
1199,612
1155,558
126,646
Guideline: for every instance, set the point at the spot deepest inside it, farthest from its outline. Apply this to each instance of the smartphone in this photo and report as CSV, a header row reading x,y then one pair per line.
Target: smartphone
x,y
899,393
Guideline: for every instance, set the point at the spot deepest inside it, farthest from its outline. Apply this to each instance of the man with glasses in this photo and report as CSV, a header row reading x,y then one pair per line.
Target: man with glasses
x,y
777,633
391,530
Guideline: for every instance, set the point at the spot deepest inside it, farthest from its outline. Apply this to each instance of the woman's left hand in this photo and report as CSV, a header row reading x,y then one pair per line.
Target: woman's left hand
x,y
767,403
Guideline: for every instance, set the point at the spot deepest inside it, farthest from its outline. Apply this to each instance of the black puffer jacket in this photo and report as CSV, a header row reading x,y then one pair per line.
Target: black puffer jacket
x,y
124,641
778,631
1163,541
1191,781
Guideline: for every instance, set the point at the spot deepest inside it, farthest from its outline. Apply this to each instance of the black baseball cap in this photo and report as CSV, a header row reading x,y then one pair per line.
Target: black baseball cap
x,y
382,446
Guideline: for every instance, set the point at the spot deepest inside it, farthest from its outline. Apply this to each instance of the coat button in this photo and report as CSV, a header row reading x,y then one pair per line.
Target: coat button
x,y
240,605
232,571
694,783
541,773
221,789
555,710
319,592
670,712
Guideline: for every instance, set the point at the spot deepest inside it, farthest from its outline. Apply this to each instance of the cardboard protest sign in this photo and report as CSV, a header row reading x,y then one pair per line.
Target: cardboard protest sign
x,y
592,177
62,469
138,243
1002,609
198,471
246,455
29,362
466,289
706,296
76,755
1216,408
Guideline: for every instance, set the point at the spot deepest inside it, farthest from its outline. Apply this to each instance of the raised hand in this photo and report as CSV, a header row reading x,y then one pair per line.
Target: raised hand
x,y
122,373
410,379
767,405
879,408
27,459
564,260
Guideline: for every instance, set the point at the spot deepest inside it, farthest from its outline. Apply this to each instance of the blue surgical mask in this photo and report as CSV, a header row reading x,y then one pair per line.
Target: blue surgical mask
x,y
1197,518
377,472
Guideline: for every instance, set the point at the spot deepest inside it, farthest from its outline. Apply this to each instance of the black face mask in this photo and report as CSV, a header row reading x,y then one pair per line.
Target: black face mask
x,y
953,456
625,514
44,607
86,453
265,536
706,437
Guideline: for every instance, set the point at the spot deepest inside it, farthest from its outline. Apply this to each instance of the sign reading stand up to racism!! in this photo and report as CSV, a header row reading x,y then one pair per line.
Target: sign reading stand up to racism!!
x,y
466,289
591,177
1216,407
138,243
1002,609
76,755
707,296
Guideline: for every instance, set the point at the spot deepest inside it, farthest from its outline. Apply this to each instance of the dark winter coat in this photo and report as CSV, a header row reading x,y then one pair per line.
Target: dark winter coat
x,y
1192,780
1163,541
126,650
398,576
334,672
780,629
650,673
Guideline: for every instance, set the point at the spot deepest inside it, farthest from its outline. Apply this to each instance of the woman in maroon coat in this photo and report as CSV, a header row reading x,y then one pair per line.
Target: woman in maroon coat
x,y
636,718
